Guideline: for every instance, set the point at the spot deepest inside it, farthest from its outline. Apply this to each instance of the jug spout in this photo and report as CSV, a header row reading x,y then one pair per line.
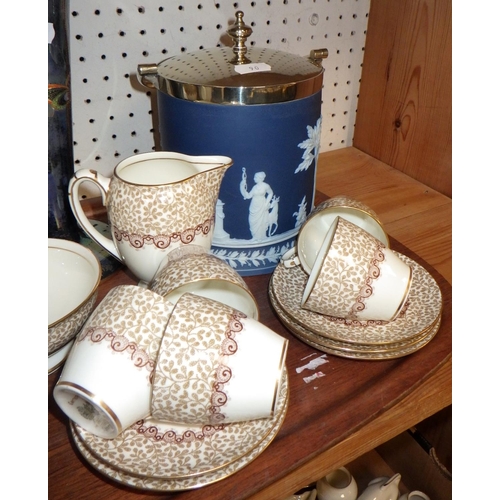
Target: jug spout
x,y
392,482
210,163
206,183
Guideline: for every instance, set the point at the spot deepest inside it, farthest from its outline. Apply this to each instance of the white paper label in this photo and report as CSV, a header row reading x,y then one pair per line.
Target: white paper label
x,y
243,69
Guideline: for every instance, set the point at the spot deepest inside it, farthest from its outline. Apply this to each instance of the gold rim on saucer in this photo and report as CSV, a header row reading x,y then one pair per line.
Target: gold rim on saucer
x,y
366,356
189,482
423,307
175,452
290,323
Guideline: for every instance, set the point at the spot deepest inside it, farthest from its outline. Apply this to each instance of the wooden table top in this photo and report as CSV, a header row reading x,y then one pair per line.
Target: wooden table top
x,y
353,408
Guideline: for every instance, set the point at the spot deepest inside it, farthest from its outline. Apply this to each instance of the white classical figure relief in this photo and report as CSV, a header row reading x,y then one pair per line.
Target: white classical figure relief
x,y
301,214
266,244
219,232
263,209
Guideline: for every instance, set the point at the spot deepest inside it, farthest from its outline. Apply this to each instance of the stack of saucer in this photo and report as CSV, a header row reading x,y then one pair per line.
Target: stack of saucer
x,y
343,291
158,456
415,326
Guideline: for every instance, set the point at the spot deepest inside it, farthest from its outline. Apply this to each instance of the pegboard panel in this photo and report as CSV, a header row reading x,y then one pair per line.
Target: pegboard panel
x,y
113,113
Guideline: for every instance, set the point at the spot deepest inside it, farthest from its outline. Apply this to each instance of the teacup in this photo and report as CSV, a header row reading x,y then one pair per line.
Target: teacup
x,y
314,229
105,385
414,495
356,277
337,485
216,366
74,273
156,202
201,273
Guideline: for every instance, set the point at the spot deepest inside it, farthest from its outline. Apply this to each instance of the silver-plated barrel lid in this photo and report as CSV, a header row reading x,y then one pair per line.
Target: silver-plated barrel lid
x,y
237,75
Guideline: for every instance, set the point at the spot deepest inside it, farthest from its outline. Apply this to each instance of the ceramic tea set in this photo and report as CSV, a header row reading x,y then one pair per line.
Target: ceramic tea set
x,y
343,291
340,484
166,366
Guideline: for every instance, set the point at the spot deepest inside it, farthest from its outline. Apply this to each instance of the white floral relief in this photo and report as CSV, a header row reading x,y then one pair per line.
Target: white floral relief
x,y
254,258
310,146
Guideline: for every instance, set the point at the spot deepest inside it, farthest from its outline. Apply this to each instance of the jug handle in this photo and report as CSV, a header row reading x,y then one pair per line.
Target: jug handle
x,y
102,182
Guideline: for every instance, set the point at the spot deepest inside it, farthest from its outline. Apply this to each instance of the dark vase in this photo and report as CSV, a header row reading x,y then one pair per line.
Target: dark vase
x,y
61,221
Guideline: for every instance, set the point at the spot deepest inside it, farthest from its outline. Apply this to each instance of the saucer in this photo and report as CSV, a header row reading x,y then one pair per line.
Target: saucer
x,y
423,308
330,348
115,472
57,358
160,450
347,347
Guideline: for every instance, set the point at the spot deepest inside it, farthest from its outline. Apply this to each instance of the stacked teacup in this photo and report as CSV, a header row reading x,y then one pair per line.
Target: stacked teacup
x,y
199,361
342,290
184,345
355,276
352,273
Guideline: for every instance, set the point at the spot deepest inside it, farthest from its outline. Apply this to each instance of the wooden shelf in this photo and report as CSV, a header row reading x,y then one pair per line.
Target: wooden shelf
x,y
358,405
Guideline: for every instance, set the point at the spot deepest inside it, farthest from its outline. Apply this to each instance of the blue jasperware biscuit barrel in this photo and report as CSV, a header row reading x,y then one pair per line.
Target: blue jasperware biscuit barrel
x,y
261,107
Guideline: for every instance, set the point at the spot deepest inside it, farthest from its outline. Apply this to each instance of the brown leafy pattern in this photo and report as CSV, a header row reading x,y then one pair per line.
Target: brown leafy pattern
x,y
343,205
161,215
349,350
349,270
132,321
192,268
159,456
331,347
61,333
191,369
424,307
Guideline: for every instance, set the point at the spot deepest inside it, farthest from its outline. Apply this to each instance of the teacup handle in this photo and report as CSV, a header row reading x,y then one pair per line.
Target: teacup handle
x,y
290,258
102,182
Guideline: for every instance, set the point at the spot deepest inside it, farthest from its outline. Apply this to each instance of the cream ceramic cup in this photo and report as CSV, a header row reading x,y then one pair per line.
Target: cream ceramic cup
x,y
156,202
337,485
356,277
105,385
191,269
216,366
73,273
414,495
313,231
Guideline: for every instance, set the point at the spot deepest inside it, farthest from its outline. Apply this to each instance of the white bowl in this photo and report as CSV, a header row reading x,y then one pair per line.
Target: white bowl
x,y
74,273
57,359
